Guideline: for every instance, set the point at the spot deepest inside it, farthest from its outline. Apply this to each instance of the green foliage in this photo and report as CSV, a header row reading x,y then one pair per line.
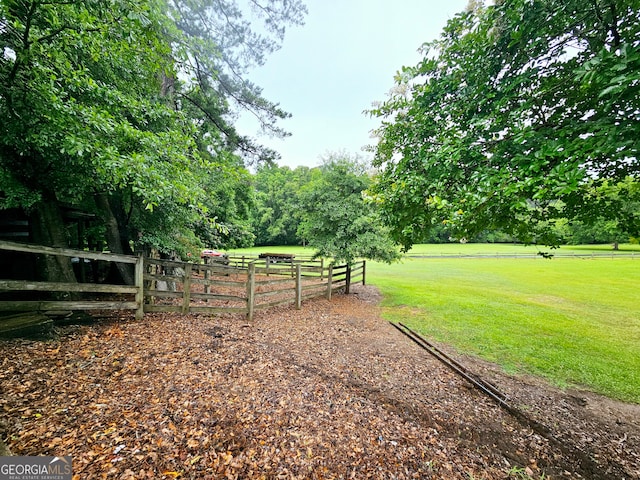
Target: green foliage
x,y
133,100
616,218
278,211
515,115
80,101
229,199
338,222
85,117
215,44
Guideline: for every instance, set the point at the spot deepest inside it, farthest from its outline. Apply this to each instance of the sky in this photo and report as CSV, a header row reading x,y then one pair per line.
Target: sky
x,y
334,67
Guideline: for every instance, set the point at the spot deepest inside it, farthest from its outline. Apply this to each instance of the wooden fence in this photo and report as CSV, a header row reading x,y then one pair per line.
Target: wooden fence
x,y
182,287
172,286
243,261
23,288
244,285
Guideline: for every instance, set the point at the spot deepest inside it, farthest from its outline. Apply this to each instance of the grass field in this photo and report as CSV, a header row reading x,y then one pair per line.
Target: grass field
x,y
574,321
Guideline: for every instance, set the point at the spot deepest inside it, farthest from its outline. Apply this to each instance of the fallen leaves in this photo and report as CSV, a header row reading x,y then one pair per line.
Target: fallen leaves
x,y
326,392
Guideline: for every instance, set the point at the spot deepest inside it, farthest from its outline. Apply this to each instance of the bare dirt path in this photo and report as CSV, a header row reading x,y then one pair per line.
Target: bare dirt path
x,y
330,391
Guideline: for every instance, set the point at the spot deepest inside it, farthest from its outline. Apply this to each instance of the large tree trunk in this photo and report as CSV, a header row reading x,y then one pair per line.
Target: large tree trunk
x,y
114,237
47,228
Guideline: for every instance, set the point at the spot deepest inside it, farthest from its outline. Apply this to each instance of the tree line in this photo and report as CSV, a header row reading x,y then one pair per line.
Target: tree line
x,y
294,197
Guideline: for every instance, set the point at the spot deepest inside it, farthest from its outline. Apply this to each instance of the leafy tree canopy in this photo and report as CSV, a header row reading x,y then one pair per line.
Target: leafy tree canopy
x,y
80,100
518,115
616,218
278,209
132,102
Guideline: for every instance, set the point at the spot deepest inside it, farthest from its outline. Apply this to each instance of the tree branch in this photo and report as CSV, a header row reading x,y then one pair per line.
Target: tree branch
x,y
58,31
617,41
229,133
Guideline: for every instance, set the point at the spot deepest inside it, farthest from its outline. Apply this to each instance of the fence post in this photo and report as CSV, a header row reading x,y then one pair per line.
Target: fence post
x,y
186,286
207,274
139,282
329,280
322,269
347,277
298,287
364,271
153,284
251,290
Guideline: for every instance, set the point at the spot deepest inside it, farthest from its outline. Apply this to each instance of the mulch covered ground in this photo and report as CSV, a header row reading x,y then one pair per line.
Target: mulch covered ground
x,y
330,391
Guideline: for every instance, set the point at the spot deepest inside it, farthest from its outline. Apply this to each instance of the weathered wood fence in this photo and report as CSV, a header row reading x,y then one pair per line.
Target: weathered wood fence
x,y
22,287
172,286
243,285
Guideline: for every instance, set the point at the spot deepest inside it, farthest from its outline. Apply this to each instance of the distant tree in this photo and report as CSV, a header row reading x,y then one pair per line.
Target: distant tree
x,y
512,119
277,212
616,218
604,231
230,199
338,221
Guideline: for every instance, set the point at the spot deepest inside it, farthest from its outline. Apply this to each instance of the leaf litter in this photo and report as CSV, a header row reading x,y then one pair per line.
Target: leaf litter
x,y
327,392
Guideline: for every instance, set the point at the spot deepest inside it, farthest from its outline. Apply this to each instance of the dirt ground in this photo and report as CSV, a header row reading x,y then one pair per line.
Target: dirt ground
x,y
330,391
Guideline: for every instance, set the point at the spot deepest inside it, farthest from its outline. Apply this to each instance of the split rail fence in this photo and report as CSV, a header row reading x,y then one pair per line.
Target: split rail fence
x,y
29,293
243,285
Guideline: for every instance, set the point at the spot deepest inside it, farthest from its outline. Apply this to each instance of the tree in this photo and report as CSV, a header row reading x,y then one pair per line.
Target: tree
x,y
230,199
338,221
512,119
616,218
82,114
216,44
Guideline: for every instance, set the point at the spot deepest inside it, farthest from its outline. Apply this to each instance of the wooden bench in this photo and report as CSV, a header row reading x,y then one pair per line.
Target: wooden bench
x,y
277,257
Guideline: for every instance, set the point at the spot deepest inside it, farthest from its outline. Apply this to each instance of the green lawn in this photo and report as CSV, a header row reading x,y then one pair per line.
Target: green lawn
x,y
575,321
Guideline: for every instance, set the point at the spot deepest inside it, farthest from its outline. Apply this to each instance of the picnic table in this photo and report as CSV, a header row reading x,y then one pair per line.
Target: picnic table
x,y
277,257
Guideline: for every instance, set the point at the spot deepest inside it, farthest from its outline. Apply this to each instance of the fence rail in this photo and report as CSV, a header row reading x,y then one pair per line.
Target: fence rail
x,y
172,286
26,288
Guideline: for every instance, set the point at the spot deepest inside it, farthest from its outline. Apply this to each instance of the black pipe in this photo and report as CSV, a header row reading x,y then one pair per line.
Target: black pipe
x,y
487,384
588,465
460,371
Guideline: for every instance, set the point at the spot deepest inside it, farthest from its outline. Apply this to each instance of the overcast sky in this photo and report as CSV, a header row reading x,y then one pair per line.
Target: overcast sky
x,y
332,68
